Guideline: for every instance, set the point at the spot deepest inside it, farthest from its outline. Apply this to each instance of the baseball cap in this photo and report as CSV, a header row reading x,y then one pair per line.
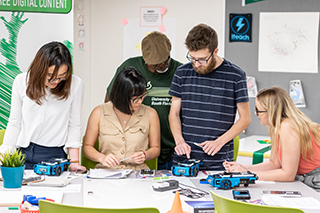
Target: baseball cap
x,y
155,48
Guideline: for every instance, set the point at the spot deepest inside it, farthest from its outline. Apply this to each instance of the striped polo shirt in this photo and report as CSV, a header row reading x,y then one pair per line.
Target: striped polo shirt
x,y
208,107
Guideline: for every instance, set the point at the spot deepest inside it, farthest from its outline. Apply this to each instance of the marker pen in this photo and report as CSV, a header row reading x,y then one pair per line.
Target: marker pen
x,y
160,178
124,159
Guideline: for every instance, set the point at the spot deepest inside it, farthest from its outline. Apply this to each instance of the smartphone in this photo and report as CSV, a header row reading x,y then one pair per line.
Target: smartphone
x,y
241,194
147,172
32,179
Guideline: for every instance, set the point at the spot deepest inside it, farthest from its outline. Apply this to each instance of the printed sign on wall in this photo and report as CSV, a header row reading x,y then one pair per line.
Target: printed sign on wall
x,y
41,6
296,93
240,27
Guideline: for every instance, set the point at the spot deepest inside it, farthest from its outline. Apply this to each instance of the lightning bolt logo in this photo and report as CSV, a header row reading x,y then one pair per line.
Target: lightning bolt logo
x,y
239,24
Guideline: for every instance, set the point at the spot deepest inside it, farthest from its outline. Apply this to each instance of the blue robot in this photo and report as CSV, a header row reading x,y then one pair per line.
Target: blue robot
x,y
188,168
232,179
52,167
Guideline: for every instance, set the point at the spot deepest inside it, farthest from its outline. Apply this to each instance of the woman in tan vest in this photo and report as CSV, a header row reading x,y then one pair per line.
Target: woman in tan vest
x,y
126,128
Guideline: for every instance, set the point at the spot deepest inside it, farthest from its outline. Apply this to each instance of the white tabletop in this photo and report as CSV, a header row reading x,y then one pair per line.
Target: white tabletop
x,y
72,193
128,193
135,192
250,144
260,186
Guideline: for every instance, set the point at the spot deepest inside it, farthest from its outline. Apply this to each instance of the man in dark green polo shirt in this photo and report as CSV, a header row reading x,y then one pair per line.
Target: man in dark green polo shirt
x,y
158,68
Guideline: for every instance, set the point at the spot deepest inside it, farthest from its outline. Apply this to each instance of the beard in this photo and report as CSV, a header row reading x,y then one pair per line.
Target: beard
x,y
205,69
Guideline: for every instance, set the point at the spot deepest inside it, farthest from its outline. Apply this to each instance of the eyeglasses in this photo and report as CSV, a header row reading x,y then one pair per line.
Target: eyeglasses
x,y
166,62
257,111
136,100
200,61
59,79
53,80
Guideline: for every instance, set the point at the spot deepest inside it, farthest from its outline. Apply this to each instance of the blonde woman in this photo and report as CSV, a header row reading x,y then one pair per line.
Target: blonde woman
x,y
295,141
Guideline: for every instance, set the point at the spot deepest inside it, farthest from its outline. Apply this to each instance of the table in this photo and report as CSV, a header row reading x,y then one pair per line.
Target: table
x,y
249,145
130,193
135,192
73,193
260,186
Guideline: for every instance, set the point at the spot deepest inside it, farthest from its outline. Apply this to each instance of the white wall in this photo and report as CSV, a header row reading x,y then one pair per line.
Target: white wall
x,y
104,37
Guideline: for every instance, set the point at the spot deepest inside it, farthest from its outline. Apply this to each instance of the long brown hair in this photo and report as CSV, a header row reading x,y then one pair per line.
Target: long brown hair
x,y
51,54
280,107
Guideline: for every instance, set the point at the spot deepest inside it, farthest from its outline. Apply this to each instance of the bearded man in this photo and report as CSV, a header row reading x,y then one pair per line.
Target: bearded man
x,y
206,94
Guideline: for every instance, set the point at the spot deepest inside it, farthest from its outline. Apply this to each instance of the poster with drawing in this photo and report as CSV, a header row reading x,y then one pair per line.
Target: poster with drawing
x,y
288,42
296,93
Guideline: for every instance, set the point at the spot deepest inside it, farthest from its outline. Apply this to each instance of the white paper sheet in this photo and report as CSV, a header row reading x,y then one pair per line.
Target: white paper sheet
x,y
293,202
109,173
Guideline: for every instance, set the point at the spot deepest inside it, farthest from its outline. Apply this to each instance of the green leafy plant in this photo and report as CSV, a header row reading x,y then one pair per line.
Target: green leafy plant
x,y
16,159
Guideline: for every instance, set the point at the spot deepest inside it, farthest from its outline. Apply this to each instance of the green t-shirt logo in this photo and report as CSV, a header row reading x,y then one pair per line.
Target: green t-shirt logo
x,y
149,85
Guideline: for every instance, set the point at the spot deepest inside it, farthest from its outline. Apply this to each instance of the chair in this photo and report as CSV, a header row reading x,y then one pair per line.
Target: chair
x,y
152,164
2,131
51,207
235,148
89,164
225,205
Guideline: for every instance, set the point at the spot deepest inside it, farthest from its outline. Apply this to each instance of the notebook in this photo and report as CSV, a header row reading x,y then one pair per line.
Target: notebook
x,y
199,206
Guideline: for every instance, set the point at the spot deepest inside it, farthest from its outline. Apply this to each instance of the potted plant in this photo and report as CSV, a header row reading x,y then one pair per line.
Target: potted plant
x,y
12,168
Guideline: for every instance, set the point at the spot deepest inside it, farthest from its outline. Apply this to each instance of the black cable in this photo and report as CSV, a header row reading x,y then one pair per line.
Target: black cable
x,y
207,193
